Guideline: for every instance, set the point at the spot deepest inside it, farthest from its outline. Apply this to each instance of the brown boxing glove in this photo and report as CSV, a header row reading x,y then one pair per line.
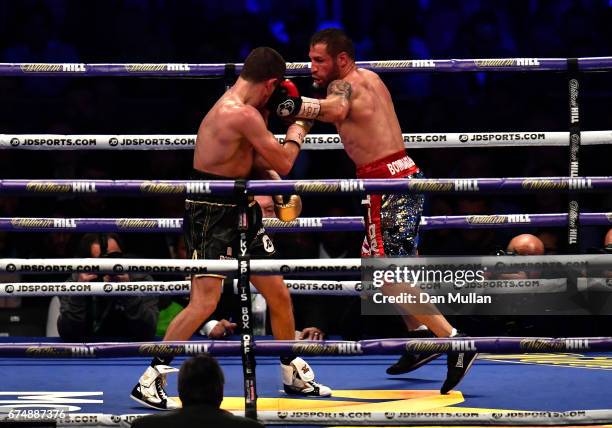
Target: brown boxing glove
x,y
287,211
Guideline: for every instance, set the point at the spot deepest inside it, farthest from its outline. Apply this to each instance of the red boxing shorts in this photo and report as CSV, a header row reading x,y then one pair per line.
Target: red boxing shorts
x,y
392,221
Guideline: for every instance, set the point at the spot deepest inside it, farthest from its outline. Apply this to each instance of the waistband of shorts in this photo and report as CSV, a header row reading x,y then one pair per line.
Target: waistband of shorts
x,y
398,164
196,174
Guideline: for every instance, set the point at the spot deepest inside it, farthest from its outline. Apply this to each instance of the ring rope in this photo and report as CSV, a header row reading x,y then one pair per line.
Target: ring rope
x,y
301,68
311,142
302,224
296,287
520,185
364,418
388,346
349,266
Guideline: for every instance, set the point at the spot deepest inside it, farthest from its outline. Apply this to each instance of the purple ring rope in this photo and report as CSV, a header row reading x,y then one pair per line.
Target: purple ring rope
x,y
304,224
300,68
494,345
520,185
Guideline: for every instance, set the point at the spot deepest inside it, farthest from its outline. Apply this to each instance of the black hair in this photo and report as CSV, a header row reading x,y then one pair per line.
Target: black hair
x,y
263,63
200,381
336,42
89,239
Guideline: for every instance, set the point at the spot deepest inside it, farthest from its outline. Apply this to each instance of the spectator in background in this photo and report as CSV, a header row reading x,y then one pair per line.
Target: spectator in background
x,y
200,388
127,317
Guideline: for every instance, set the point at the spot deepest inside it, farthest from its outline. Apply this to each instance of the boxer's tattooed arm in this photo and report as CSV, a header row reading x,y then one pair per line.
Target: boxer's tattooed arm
x,y
341,88
336,106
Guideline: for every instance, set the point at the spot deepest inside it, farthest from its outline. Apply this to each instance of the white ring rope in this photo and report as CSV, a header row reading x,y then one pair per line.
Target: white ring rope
x,y
296,287
291,266
312,142
366,418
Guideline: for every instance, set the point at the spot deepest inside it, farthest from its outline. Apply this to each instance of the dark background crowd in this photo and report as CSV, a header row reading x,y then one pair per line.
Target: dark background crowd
x,y
192,31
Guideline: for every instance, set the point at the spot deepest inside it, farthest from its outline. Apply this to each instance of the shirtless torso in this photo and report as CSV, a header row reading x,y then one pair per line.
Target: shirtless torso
x,y
370,130
233,138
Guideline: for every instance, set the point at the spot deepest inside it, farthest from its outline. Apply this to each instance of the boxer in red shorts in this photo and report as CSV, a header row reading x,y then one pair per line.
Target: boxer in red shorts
x,y
360,106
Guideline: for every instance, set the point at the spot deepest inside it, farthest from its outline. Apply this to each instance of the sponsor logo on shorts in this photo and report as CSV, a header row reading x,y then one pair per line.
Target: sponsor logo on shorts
x,y
400,165
267,244
53,68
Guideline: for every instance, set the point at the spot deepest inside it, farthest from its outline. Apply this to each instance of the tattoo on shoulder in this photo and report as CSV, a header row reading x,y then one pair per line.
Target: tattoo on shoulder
x,y
340,87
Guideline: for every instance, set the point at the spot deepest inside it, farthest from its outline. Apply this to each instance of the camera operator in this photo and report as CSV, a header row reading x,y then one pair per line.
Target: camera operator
x,y
131,318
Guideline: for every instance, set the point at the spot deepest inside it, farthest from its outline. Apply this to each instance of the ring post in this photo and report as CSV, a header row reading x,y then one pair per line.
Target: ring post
x,y
244,293
574,154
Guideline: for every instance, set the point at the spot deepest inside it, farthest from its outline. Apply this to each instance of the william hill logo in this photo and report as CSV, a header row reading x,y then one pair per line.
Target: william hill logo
x,y
328,349
136,224
425,185
162,188
431,346
306,186
163,350
53,68
543,345
498,219
539,184
48,187
153,68
31,223
48,351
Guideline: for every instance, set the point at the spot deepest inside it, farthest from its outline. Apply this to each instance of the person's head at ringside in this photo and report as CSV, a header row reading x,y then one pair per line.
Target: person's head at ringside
x,y
526,245
200,381
263,70
608,239
332,55
99,245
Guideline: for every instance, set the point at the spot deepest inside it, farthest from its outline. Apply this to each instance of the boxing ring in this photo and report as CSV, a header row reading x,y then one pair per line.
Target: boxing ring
x,y
516,381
